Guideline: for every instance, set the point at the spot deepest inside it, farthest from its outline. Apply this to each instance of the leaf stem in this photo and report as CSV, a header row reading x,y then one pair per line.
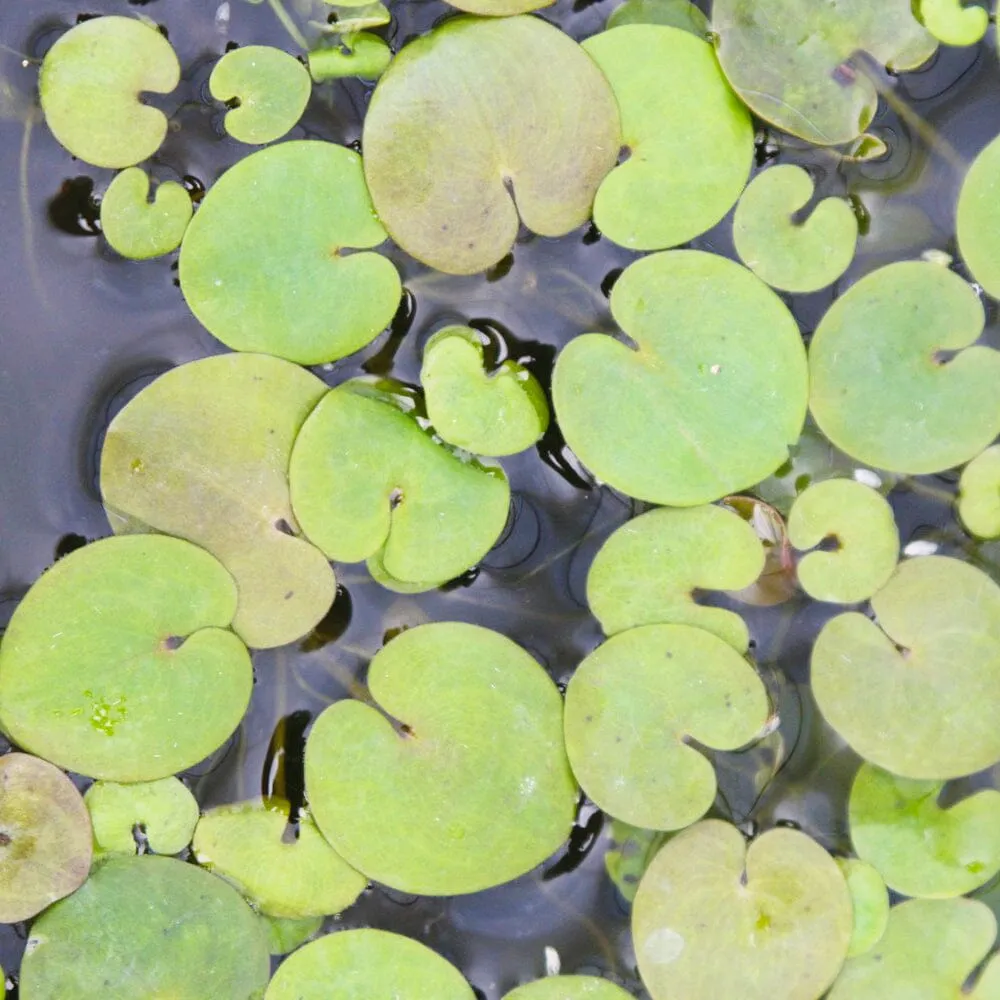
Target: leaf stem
x,y
288,24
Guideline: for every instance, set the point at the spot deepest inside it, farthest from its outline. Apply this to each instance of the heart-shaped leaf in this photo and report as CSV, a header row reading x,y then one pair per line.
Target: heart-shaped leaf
x,y
710,398
203,453
869,901
476,764
363,55
266,272
649,570
569,988
90,87
880,388
978,217
979,494
453,175
919,848
118,663
714,918
165,811
954,22
917,691
675,13
138,228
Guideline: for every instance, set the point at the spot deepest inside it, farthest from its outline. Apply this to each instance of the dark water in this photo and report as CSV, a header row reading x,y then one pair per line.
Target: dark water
x,y
81,330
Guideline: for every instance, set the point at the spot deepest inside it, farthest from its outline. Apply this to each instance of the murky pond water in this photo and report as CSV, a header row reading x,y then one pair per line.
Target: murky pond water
x,y
82,330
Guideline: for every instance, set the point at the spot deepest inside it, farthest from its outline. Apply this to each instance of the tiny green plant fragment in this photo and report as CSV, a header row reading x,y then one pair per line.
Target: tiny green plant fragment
x,y
953,22
164,812
978,219
283,872
364,964
453,175
869,901
284,935
349,19
795,62
90,87
45,837
688,136
917,691
896,378
118,664
629,853
920,848
362,55
137,227
709,398
788,253
929,950
859,523
147,927
474,761
266,90
715,918
488,413
202,453
979,494
369,482
569,988
649,571
265,271
681,14
634,704
775,583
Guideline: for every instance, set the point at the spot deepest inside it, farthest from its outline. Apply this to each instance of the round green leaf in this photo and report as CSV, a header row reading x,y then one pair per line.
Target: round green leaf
x,y
675,13
362,55
954,22
294,876
267,272
880,389
266,88
569,988
489,413
978,219
928,951
365,964
203,453
90,85
689,138
917,692
165,810
117,664
919,848
794,61
648,571
45,838
869,901
285,935
147,927
714,918
860,523
453,174
368,481
979,494
634,704
138,228
477,765
710,398
793,255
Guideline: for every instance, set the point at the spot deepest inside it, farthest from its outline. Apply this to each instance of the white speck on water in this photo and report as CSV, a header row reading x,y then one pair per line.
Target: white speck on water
x,y
921,547
663,946
868,478
553,963
222,15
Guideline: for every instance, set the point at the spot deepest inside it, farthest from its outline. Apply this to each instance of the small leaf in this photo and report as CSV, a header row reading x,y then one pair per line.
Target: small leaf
x,y
870,903
164,810
775,583
569,988
629,855
352,18
681,14
137,228
979,494
953,22
285,935
362,55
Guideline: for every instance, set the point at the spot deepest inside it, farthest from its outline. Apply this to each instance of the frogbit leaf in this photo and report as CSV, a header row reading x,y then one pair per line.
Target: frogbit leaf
x,y
267,89
453,175
919,848
978,216
90,84
569,988
869,902
266,272
363,55
881,390
296,876
45,838
165,811
649,570
979,494
285,935
488,413
118,663
629,853
793,255
681,14
477,764
690,139
714,918
706,403
138,228
917,691
368,481
364,964
203,453
929,950
953,22
634,703
350,19
793,61
861,525
147,927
